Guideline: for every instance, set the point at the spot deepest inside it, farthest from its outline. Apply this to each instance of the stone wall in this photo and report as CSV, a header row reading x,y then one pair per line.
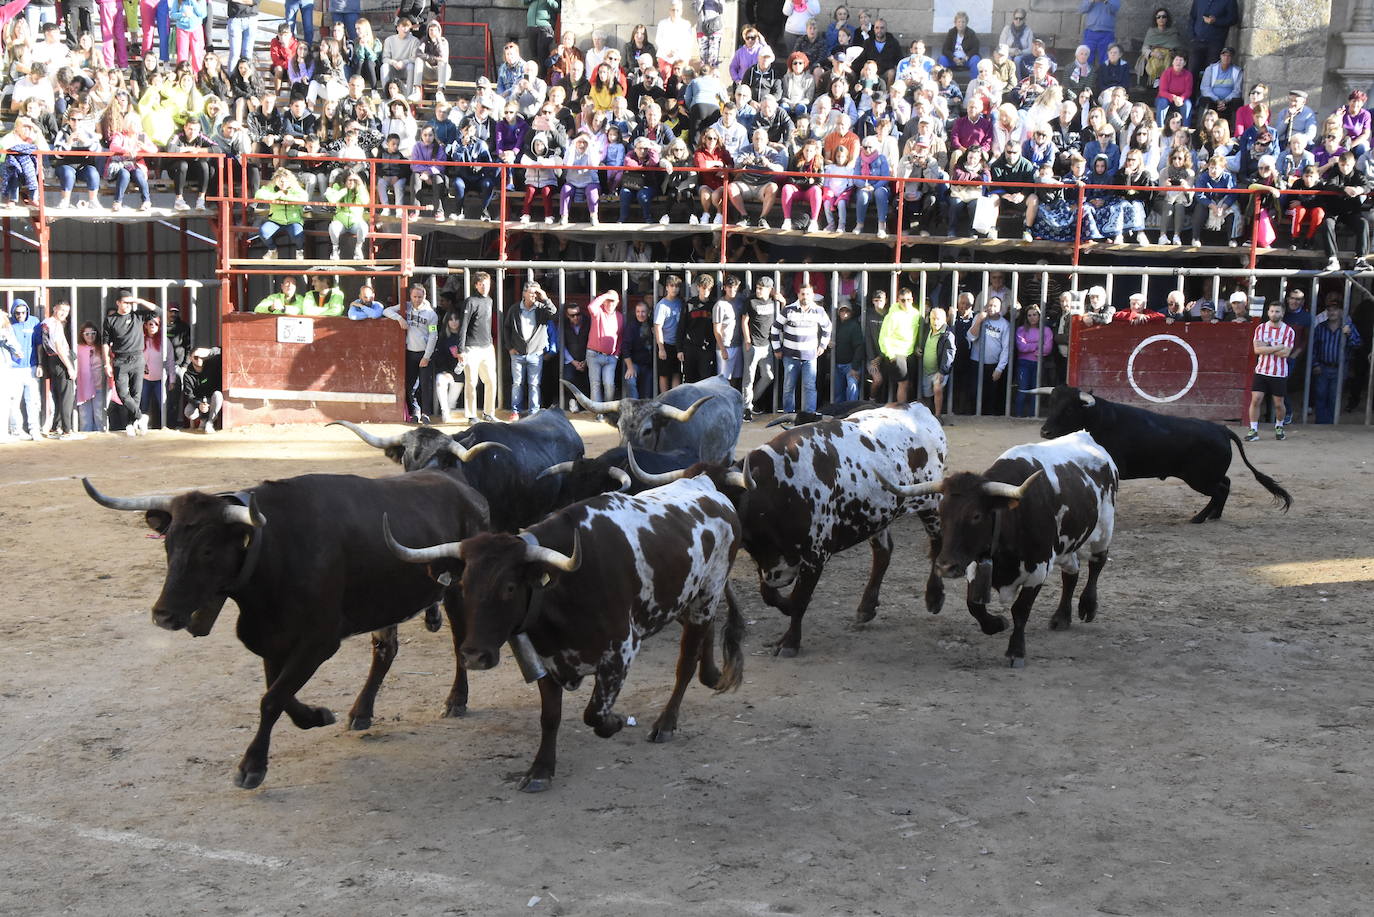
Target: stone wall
x,y
505,18
1284,43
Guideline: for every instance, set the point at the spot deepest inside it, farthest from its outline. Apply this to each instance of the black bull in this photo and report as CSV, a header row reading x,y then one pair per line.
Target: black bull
x,y
305,561
1146,444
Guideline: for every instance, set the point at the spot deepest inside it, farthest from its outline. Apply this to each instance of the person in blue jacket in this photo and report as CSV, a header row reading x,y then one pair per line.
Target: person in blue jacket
x,y
1099,26
1208,23
24,383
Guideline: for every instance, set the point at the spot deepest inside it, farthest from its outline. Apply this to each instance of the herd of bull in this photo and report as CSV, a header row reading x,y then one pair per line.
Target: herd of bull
x,y
572,561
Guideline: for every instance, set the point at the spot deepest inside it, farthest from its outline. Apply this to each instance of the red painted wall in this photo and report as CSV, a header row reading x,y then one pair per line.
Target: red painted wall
x,y
346,356
1100,361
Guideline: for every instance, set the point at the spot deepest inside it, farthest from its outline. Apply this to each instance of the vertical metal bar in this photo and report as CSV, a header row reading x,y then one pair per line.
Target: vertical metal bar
x,y
562,398
1340,358
162,308
1311,333
834,327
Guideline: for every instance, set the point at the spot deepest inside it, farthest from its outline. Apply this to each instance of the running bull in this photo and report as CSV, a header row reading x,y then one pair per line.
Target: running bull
x,y
1036,508
701,417
589,583
304,560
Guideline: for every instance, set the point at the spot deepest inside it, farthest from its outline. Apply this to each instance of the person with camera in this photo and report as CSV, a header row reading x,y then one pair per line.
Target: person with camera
x,y
525,331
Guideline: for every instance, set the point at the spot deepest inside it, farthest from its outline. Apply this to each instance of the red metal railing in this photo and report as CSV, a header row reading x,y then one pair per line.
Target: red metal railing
x,y
483,33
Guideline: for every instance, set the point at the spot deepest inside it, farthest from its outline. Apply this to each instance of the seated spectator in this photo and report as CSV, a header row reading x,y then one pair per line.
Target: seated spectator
x,y
365,306
755,181
1135,198
1113,72
1355,123
485,180
129,145
837,189
541,177
1016,34
401,54
284,302
285,198
1039,81
1175,196
351,215
640,181
972,171
922,199
986,86
1138,313
77,135
580,182
196,166
1305,208
1263,207
1162,42
1297,119
1014,198
809,161
1214,207
1175,90
680,188
709,161
1221,85
1346,206
961,46
798,88
427,171
433,57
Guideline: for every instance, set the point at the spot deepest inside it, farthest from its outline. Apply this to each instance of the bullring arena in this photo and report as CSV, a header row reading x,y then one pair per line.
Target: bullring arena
x,y
1202,747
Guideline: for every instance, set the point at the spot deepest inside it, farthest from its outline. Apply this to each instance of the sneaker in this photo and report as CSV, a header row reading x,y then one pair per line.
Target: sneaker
x,y
1252,436
813,226
563,220
1279,432
439,215
1178,240
594,219
359,254
742,222
1027,237
490,418
720,218
457,216
748,416
334,255
1233,244
117,206
180,204
143,424
208,428
524,218
1333,263
882,232
1141,238
300,254
1118,239
73,435
200,202
486,216
763,223
691,220
145,206
131,430
548,221
1361,265
270,255
663,220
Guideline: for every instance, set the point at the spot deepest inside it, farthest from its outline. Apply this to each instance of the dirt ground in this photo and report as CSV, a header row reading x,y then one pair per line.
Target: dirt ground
x,y
1204,747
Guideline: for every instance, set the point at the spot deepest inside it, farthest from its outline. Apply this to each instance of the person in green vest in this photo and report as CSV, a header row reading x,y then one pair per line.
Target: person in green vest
x,y
326,299
284,302
897,342
349,189
937,352
285,215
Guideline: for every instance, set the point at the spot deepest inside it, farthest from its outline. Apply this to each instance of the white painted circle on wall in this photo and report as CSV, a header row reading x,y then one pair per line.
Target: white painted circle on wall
x,y
1192,375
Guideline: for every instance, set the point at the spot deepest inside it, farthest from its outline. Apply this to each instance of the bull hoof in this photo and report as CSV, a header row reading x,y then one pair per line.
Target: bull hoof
x,y
786,652
532,784
452,711
994,625
866,613
935,604
246,779
1060,622
1017,662
659,736
325,716
1087,612
359,723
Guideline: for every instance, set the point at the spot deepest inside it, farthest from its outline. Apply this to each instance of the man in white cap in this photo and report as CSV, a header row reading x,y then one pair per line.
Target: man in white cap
x,y
1239,305
1296,120
202,384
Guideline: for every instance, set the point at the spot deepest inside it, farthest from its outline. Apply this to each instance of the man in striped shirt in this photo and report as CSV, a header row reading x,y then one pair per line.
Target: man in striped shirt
x,y
1332,336
1273,342
799,337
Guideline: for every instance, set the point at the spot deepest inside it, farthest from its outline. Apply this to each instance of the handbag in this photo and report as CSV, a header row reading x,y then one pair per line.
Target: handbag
x,y
1264,230
985,216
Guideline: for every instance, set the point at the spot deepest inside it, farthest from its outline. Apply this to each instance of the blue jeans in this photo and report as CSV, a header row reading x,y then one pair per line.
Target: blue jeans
x,y
1025,381
483,185
1162,108
1097,42
524,379
644,196
642,385
879,192
241,30
307,11
848,380
295,234
122,176
794,368
948,64
601,374
1324,385
350,21
67,175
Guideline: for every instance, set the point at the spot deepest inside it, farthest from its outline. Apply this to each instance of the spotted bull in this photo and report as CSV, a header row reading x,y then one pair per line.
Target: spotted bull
x,y
700,417
589,583
610,471
821,488
1146,444
507,475
306,564
1035,509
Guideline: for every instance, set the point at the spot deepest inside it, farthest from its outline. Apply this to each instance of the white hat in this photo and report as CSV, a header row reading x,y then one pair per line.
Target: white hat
x,y
1238,296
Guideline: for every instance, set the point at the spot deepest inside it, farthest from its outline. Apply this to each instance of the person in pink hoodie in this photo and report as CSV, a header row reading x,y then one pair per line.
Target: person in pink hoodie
x,y
1175,90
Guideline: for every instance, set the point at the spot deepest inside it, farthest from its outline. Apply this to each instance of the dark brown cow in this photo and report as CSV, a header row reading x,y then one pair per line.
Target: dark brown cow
x,y
304,560
589,583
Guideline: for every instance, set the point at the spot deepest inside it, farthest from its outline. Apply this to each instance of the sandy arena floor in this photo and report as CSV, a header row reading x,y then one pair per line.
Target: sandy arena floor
x,y
1204,747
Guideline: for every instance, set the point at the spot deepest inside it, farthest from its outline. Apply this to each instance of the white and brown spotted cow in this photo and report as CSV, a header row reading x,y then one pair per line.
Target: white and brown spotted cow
x,y
587,584
820,488
1038,507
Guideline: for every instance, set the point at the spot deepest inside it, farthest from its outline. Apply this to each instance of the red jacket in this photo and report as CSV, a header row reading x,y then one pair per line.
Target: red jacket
x,y
1125,315
1176,83
282,53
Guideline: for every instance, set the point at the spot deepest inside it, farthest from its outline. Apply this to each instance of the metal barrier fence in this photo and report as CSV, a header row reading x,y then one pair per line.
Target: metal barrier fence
x,y
91,299
934,284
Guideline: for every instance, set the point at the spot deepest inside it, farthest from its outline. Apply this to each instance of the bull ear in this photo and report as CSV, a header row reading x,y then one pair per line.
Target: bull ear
x,y
158,520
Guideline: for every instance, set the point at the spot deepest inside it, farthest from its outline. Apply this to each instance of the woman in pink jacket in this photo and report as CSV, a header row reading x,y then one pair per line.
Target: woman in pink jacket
x,y
1175,91
605,344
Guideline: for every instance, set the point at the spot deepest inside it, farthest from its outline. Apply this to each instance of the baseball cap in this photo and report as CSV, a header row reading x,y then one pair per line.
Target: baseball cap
x,y
1207,305
766,282
844,307
201,352
1238,296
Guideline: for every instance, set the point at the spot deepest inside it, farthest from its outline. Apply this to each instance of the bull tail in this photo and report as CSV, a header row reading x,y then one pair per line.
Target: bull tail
x,y
732,636
1281,496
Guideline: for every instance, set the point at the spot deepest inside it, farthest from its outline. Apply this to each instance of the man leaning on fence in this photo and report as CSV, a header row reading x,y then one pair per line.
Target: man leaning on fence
x,y
124,343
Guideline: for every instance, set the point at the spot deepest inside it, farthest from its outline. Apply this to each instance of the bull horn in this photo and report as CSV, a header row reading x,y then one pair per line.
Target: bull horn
x,y
782,418
466,455
1042,390
372,439
621,477
678,414
238,514
1000,489
737,479
1088,400
537,553
596,407
136,504
923,489
560,468
657,480
452,549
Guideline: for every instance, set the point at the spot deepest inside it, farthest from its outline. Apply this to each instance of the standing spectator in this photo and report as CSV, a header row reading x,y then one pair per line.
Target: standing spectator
x,y
93,384
153,14
525,333
26,389
203,384
347,12
306,11
760,314
675,38
1272,343
800,337
158,372
10,428
189,18
123,351
900,331
1296,316
936,350
1334,343
727,319
447,368
639,353
421,326
1034,341
114,45
605,344
539,20
476,350
849,355
573,349
990,342
1099,26
964,374
710,29
1208,23
667,326
697,339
